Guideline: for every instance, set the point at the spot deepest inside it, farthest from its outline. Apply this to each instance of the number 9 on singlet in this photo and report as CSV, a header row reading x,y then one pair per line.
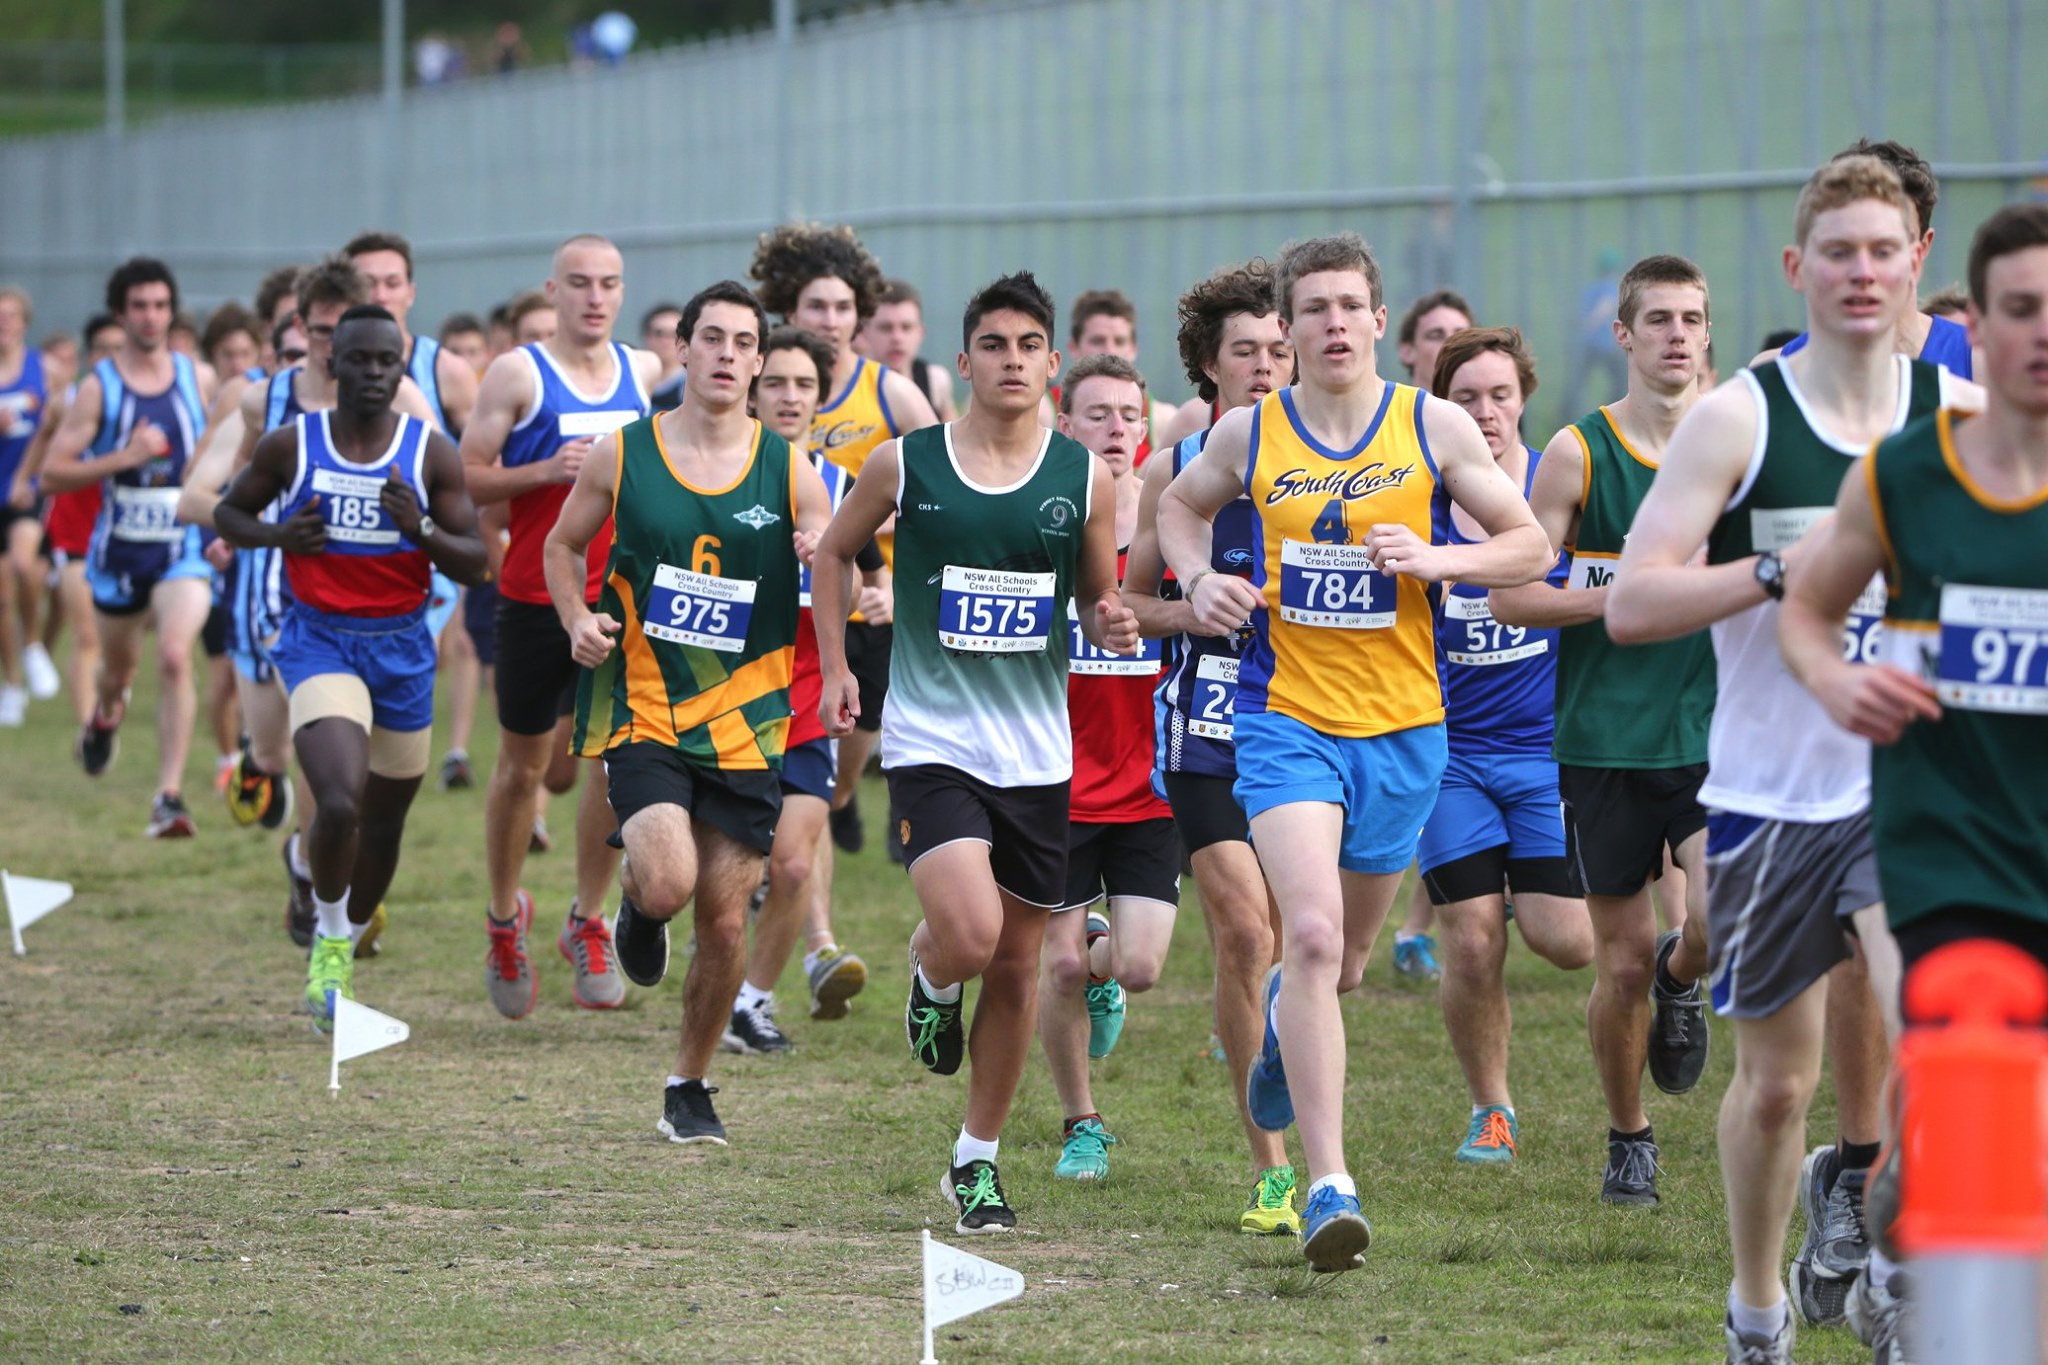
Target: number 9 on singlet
x,y
1334,587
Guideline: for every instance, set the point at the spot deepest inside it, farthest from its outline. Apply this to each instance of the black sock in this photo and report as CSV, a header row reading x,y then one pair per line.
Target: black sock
x,y
1068,1131
1856,1156
1616,1135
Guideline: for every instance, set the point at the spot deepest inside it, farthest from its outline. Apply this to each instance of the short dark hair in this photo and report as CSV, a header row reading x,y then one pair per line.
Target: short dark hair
x,y
1101,365
277,333
365,242
365,312
1100,303
518,306
226,320
1469,343
725,291
1779,339
1344,251
138,270
795,254
1947,302
1205,308
1655,270
1018,293
332,279
900,291
1916,177
456,324
647,318
1411,321
277,285
98,322
2014,228
788,338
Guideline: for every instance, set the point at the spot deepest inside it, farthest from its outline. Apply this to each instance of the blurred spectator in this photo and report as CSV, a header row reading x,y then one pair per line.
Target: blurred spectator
x,y
60,360
463,335
185,336
612,36
508,49
437,61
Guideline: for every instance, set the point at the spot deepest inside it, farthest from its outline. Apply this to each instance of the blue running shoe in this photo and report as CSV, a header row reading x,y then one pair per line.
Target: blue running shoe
x,y
1265,1088
1415,959
1491,1138
1334,1234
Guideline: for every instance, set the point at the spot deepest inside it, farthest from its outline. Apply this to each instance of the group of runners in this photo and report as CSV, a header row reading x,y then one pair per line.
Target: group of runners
x,y
1730,692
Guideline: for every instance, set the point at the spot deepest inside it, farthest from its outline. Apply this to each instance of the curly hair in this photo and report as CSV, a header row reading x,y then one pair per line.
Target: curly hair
x,y
794,254
1246,288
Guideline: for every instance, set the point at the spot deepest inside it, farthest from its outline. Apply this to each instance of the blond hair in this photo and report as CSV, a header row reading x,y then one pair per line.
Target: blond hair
x,y
1850,180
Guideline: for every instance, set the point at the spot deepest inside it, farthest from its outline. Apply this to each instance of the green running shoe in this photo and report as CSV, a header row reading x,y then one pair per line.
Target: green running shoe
x,y
1105,1016
1085,1154
330,972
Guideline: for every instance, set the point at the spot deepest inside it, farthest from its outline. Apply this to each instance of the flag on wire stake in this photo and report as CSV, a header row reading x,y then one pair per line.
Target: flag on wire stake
x,y
957,1283
28,900
359,1029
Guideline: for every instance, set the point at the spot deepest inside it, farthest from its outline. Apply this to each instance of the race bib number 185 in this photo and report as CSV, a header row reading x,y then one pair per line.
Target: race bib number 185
x,y
1994,649
993,611
699,609
1335,587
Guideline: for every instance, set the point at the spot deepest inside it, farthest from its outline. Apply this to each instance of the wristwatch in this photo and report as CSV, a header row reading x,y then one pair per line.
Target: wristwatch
x,y
1770,574
426,531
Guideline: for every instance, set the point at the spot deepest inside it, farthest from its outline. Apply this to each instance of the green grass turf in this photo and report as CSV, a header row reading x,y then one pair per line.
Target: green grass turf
x,y
497,1189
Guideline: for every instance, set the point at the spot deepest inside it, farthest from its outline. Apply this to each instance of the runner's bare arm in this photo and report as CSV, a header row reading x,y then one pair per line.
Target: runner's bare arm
x,y
870,503
1515,551
455,547
1105,620
237,514
501,401
907,405
1187,512
1554,501
65,467
1143,567
563,559
458,385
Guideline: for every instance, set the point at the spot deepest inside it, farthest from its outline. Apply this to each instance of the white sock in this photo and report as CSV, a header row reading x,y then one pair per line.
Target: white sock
x,y
1340,1182
811,958
1881,1267
1403,936
940,995
681,1080
1756,1322
330,918
968,1147
750,996
356,931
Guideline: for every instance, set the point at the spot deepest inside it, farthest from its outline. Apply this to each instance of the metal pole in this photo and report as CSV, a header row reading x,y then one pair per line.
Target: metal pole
x,y
117,68
388,174
785,40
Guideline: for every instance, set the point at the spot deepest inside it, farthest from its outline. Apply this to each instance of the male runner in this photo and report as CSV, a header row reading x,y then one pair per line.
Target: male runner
x,y
1952,511
1122,849
540,409
372,500
796,368
658,337
999,523
1631,723
686,697
136,421
1425,327
450,385
1789,840
1105,322
1339,723
823,280
1496,822
23,398
894,334
462,335
1235,353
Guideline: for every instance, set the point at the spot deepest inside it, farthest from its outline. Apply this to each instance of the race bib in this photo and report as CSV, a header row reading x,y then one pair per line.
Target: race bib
x,y
1334,587
350,505
1085,658
576,425
1213,712
1776,528
1593,571
146,515
1474,639
1994,649
993,611
699,609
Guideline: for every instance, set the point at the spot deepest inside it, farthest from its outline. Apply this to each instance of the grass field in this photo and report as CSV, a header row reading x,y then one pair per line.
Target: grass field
x,y
179,1185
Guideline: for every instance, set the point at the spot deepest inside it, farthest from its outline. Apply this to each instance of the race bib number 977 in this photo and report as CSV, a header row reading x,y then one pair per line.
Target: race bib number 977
x,y
1994,649
993,611
1334,587
699,609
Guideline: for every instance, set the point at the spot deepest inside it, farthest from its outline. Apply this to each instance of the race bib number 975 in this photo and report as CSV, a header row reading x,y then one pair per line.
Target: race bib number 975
x,y
1994,649
992,611
699,609
1335,587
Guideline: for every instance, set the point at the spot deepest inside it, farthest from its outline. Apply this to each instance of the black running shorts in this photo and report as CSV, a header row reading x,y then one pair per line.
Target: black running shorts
x,y
867,658
536,680
1485,872
1025,828
1619,821
744,803
1140,859
1206,810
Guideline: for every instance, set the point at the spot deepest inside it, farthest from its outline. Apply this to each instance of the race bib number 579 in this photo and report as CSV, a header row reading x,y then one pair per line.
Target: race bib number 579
x,y
1994,649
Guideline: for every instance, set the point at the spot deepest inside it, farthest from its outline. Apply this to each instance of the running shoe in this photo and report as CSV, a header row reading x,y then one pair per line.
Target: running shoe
x,y
1265,1088
1105,1016
1877,1315
1678,1030
224,772
1835,1249
1334,1234
641,943
1749,1350
97,745
936,1038
456,774
1631,1175
298,909
248,790
330,973
1270,1211
43,680
168,818
509,977
1084,1152
1213,1050
539,841
848,833
586,942
13,706
371,943
1415,959
277,811
1490,1141
752,1031
687,1117
976,1194
835,976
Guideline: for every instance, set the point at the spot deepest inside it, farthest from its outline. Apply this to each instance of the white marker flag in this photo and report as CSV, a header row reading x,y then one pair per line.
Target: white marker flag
x,y
28,900
957,1283
359,1029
